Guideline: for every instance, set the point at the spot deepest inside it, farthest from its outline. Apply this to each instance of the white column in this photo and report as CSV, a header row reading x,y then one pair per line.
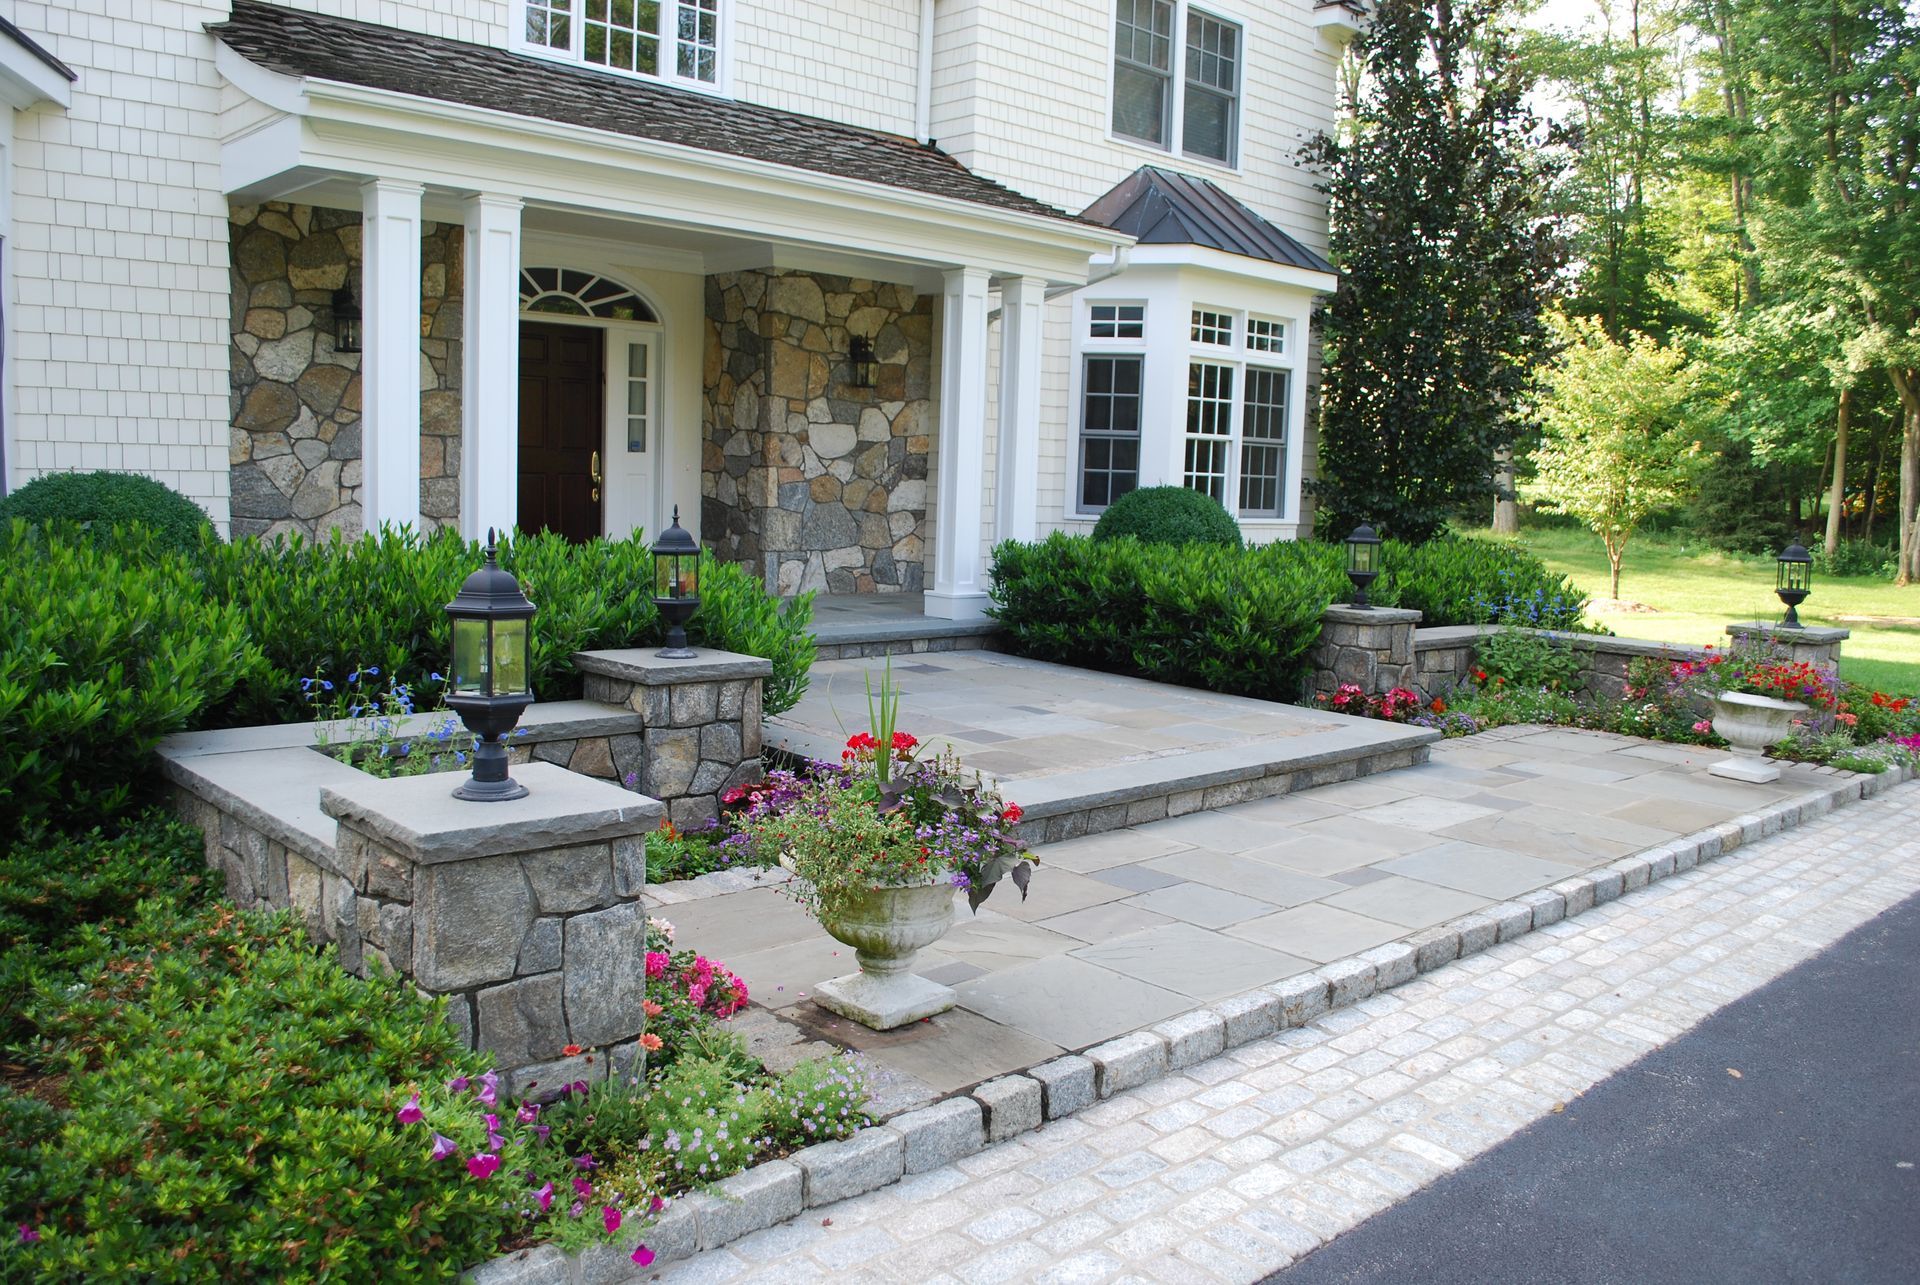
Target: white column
x,y
490,382
959,588
390,356
1016,496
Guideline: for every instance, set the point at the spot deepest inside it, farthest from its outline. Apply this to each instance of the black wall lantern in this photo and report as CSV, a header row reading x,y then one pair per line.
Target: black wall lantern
x,y
676,585
488,685
1794,582
346,321
860,362
1363,562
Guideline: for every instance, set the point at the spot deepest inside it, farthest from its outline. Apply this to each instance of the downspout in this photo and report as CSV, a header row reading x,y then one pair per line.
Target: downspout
x,y
923,106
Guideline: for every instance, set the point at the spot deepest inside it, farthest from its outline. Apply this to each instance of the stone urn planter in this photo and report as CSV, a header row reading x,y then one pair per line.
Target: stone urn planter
x,y
1749,724
887,927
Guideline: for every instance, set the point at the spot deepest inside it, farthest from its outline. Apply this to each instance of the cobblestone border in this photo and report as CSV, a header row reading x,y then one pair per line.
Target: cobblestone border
x,y
1002,1108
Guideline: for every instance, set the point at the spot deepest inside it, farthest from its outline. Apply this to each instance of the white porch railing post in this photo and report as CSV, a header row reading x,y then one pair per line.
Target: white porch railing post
x,y
1016,495
959,592
390,360
490,381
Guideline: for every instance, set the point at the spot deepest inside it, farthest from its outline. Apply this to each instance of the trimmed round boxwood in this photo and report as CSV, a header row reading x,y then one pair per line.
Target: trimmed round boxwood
x,y
1168,515
105,500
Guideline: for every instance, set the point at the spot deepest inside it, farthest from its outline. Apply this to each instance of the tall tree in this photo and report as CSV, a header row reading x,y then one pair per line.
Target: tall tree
x,y
1446,260
1833,87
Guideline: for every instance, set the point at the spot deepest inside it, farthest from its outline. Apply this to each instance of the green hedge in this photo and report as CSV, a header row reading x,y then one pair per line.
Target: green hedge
x,y
1243,620
110,642
101,501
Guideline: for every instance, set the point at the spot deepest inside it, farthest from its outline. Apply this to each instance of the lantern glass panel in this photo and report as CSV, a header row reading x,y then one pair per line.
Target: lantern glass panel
x,y
1362,556
470,657
1795,575
675,575
510,657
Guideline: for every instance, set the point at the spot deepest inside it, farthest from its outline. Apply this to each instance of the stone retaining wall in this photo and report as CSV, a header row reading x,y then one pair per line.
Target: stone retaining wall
x,y
1369,647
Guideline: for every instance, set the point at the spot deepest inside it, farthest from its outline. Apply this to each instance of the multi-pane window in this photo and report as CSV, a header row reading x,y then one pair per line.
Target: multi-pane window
x,y
1212,327
639,402
1198,112
1263,443
1209,427
1109,429
670,38
1213,88
1266,335
700,39
1143,70
1118,321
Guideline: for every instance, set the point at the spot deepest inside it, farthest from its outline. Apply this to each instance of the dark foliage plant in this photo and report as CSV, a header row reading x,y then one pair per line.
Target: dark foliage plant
x,y
1168,515
98,502
1446,261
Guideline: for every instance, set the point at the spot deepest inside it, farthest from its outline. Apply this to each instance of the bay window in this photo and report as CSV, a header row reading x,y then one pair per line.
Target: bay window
x,y
1197,112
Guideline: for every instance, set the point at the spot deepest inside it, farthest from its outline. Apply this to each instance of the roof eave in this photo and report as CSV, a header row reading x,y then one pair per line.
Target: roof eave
x,y
29,75
1207,259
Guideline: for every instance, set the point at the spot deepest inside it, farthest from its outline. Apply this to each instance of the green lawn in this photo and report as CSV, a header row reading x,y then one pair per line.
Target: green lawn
x,y
1694,593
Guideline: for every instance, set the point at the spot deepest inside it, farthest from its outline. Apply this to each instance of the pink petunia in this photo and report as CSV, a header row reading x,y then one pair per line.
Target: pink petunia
x,y
657,962
545,1197
443,1146
643,1257
489,1089
483,1166
582,1188
410,1113
611,1217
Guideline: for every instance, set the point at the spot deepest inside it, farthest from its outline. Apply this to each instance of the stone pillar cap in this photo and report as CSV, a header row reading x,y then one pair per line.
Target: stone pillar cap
x,y
1341,613
1815,634
419,815
641,665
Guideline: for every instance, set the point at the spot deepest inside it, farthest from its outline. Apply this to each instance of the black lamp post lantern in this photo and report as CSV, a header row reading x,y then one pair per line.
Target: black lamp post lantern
x,y
676,584
346,321
860,362
488,687
1795,581
1363,562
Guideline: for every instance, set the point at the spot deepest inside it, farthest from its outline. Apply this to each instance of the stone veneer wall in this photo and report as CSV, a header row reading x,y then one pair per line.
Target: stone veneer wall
x,y
812,482
295,454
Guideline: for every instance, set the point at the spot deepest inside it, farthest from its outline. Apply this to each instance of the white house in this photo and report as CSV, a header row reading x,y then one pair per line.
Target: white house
x,y
859,287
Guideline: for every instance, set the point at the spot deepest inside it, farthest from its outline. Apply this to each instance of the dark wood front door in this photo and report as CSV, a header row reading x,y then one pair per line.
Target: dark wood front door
x,y
561,430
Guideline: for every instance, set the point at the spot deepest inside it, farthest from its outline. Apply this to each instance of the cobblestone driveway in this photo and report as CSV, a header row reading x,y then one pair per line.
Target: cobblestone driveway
x,y
1236,1166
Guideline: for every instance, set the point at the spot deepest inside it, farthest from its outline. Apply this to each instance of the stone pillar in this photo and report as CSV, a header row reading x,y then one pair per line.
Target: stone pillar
x,y
1023,302
959,592
700,722
525,914
1370,647
490,383
1814,645
390,357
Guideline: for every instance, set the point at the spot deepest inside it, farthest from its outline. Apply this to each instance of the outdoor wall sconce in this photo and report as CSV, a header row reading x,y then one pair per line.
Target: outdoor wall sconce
x,y
1794,582
676,583
1363,562
488,685
346,321
860,362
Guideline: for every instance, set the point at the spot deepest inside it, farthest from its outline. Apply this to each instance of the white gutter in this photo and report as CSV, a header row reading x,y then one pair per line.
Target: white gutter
x,y
923,106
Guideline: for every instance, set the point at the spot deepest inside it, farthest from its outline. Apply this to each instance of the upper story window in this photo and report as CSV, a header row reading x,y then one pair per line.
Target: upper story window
x,y
1150,39
1266,335
669,39
1211,327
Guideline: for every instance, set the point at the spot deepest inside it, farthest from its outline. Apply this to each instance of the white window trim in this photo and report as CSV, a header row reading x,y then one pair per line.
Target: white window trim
x,y
1176,127
1085,346
721,85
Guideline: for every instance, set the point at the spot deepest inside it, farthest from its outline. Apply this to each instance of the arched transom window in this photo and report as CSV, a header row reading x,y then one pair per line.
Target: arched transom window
x,y
580,294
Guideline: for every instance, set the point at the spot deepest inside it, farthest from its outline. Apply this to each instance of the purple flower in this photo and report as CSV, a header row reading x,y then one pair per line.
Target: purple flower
x,y
457,1084
582,1188
28,1236
443,1146
585,1161
489,1089
545,1197
528,1112
643,1256
542,1130
483,1166
410,1113
611,1217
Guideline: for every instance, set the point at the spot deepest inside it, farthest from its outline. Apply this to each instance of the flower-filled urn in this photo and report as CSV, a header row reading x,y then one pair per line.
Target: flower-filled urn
x,y
676,585
487,684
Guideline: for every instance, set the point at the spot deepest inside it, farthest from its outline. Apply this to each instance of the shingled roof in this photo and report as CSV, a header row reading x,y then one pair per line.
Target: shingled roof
x,y
1160,207
358,53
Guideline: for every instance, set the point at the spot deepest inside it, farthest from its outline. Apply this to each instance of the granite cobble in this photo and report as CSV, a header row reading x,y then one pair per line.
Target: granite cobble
x,y
1238,1164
